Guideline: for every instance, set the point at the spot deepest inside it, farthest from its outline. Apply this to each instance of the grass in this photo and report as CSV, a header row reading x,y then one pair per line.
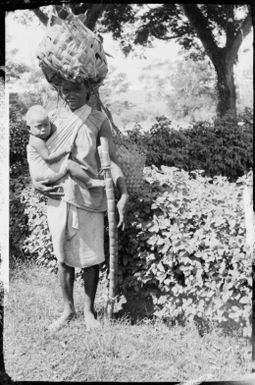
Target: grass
x,y
145,352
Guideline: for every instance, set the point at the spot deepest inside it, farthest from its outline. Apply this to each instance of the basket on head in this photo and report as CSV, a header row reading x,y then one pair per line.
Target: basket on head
x,y
71,51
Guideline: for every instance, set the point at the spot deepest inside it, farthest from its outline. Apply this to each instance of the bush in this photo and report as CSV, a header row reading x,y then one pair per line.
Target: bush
x,y
18,133
184,247
220,148
38,243
18,219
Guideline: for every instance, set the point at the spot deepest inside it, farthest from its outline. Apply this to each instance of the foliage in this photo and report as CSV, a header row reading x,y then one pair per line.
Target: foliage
x,y
18,130
38,243
216,31
184,247
193,90
223,147
167,20
18,219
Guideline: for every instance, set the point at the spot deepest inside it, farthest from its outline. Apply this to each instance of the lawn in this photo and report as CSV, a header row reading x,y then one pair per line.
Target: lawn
x,y
121,351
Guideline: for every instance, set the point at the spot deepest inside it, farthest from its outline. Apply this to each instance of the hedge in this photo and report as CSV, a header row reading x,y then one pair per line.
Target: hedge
x,y
222,147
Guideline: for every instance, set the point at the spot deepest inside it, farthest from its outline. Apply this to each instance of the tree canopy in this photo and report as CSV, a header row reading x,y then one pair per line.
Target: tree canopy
x,y
203,29
213,30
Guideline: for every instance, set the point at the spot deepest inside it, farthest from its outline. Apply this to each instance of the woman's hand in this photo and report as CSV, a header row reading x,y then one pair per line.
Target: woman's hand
x,y
122,206
44,188
42,185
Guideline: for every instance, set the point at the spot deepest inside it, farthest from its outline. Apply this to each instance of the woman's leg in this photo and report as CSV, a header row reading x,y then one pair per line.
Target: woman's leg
x,y
90,277
56,215
66,277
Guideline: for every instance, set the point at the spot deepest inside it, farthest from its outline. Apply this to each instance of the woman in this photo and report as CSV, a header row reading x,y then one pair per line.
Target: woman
x,y
84,209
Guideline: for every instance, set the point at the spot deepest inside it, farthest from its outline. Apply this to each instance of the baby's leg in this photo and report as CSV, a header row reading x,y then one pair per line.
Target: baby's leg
x,y
53,176
77,172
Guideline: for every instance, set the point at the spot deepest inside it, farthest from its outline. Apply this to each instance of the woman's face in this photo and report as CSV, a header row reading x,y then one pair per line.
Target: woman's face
x,y
75,94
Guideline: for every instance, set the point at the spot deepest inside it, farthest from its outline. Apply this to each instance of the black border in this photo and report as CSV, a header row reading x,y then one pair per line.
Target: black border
x,y
12,5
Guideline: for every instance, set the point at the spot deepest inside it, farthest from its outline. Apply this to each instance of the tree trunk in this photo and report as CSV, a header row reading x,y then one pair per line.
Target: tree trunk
x,y
225,87
223,58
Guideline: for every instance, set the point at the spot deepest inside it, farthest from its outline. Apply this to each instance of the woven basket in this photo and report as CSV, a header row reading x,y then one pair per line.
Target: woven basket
x,y
132,161
71,51
131,157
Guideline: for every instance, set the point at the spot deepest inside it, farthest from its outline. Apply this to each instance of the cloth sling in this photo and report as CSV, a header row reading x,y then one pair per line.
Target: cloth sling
x,y
64,134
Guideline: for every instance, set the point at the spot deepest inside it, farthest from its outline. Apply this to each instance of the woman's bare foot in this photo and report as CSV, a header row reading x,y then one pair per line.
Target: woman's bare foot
x,y
90,321
61,321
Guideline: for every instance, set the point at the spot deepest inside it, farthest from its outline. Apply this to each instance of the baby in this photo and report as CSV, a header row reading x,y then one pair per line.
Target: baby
x,y
40,131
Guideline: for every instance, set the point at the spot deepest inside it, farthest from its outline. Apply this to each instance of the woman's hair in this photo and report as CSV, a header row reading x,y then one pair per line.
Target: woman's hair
x,y
87,85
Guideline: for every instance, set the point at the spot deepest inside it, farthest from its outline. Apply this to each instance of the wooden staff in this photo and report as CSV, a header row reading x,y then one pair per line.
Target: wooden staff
x,y
103,150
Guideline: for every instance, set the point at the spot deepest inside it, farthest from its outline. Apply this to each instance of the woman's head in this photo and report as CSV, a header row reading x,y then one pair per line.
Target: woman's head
x,y
75,94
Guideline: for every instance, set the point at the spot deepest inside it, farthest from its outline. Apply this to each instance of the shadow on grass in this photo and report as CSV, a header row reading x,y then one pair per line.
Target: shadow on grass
x,y
137,307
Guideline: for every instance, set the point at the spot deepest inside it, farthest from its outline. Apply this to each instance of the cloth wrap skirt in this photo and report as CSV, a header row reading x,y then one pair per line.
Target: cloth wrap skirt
x,y
83,234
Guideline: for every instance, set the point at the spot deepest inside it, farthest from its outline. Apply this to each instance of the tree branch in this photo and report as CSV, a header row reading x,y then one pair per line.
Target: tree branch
x,y
203,31
161,37
93,13
241,33
41,16
230,25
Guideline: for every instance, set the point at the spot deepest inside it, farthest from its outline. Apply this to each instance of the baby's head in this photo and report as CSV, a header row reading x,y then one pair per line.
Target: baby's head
x,y
38,121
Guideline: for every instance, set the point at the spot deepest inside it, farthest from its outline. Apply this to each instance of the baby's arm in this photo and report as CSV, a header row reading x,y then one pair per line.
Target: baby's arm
x,y
77,171
42,149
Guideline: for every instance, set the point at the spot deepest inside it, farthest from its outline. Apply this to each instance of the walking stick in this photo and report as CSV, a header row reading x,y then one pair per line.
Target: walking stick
x,y
103,150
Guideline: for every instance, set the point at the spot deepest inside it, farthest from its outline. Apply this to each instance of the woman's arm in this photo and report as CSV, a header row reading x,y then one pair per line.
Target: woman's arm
x,y
117,174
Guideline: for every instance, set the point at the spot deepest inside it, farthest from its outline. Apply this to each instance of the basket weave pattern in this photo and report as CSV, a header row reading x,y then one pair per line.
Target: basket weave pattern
x,y
72,51
132,161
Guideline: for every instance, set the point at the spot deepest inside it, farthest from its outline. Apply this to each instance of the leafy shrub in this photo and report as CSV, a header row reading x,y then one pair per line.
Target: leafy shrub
x,y
184,247
18,133
220,148
18,219
38,243
19,177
